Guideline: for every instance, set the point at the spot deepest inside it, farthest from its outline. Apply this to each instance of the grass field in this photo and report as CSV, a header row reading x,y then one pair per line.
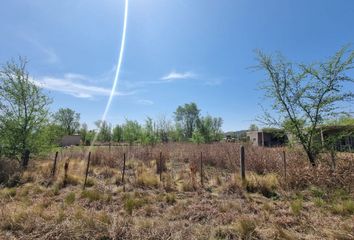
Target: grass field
x,y
306,204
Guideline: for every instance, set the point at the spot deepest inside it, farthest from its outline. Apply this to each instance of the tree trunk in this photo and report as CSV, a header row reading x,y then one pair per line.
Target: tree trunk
x,y
312,158
25,158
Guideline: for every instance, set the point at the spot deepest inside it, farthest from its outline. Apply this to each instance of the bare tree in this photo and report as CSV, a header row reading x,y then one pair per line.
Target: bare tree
x,y
306,95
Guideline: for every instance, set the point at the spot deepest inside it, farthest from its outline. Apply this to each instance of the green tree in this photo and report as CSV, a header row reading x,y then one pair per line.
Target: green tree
x,y
83,133
131,131
187,116
68,120
117,135
209,128
23,111
149,133
306,95
105,131
253,127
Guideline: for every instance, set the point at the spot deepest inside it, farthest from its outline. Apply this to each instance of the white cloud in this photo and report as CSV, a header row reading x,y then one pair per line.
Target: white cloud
x,y
178,75
80,90
145,102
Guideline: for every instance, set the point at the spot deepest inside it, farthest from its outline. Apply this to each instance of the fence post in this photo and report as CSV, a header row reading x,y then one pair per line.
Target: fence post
x,y
242,163
66,168
54,164
201,168
87,169
284,162
160,167
123,172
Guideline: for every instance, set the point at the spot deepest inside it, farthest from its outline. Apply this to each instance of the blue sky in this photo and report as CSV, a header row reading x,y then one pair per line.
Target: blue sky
x,y
176,51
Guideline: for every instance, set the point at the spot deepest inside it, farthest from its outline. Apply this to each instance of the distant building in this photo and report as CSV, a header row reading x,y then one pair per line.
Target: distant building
x,y
342,137
70,140
267,137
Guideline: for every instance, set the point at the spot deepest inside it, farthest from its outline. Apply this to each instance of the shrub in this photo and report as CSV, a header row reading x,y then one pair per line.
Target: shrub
x,y
246,227
264,184
345,207
146,179
70,198
91,195
8,193
317,192
296,206
171,198
129,205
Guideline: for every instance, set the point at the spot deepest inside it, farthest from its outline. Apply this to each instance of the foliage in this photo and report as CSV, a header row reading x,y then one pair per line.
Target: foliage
x,y
117,135
131,131
68,120
23,111
253,127
84,134
187,115
209,128
306,95
105,131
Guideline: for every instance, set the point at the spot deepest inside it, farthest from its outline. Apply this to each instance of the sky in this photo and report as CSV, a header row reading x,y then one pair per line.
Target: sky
x,y
176,51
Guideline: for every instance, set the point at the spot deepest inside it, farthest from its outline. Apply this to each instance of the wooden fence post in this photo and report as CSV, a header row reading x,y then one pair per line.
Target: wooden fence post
x,y
66,168
242,163
54,164
160,167
87,169
284,163
201,169
123,172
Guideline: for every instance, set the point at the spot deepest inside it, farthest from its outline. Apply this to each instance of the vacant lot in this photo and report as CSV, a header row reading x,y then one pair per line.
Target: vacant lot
x,y
273,203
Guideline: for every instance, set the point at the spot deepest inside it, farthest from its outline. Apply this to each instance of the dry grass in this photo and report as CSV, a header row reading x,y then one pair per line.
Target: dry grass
x,y
312,204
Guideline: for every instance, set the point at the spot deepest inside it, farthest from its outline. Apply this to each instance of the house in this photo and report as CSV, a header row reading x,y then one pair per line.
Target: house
x,y
340,136
70,140
267,137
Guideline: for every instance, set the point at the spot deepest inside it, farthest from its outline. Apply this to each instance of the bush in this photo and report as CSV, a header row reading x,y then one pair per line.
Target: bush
x,y
146,179
171,198
91,195
296,206
343,208
246,228
129,205
70,198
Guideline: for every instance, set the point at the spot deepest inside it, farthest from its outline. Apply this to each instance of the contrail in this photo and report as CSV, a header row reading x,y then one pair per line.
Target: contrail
x,y
116,78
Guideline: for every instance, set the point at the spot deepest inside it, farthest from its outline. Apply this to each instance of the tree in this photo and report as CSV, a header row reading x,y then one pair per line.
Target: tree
x,y
23,111
68,120
105,131
306,95
117,135
131,131
187,117
209,129
149,133
164,128
83,133
253,127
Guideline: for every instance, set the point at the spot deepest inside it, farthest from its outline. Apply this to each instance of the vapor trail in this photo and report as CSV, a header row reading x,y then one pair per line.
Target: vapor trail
x,y
116,78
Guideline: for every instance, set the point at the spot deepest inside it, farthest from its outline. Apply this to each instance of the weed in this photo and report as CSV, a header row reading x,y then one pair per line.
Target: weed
x,y
345,207
319,202
91,195
129,205
296,207
146,179
70,198
246,227
171,198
